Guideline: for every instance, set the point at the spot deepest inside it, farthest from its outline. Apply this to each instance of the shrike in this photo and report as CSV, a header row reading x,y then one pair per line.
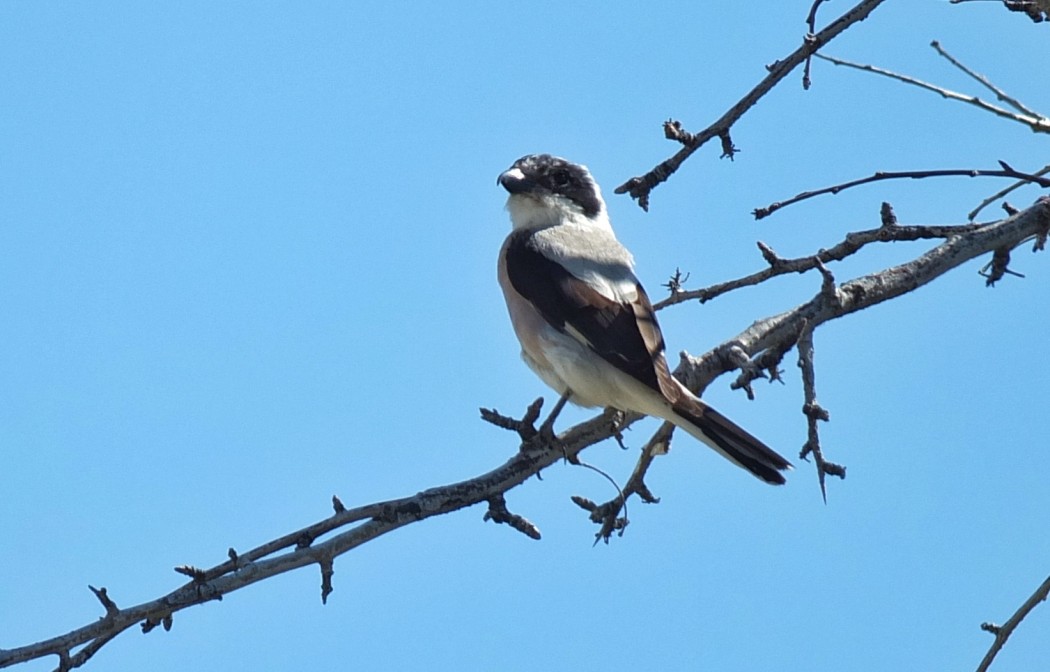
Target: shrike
x,y
585,324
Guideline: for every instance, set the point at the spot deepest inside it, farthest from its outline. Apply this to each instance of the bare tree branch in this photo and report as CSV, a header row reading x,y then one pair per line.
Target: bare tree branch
x,y
764,343
814,412
256,565
1037,10
757,352
1003,632
758,348
852,243
1031,118
640,187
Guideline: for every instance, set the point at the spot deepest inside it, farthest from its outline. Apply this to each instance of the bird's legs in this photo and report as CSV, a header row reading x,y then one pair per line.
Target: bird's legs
x,y
547,428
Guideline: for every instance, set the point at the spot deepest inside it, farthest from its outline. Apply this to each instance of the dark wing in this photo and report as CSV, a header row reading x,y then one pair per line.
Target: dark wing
x,y
625,334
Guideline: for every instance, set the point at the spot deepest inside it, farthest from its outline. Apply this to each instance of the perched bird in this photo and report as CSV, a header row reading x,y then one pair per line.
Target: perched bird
x,y
586,326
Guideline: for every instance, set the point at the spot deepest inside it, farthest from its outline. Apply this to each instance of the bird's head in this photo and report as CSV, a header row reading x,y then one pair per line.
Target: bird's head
x,y
547,190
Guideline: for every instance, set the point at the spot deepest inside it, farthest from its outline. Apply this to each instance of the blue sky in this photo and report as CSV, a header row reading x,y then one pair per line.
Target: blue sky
x,y
248,261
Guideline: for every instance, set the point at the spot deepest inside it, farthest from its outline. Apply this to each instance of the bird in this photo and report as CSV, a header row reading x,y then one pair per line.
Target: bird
x,y
586,326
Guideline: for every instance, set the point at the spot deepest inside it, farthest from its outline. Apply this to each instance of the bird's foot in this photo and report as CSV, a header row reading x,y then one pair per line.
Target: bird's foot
x,y
617,421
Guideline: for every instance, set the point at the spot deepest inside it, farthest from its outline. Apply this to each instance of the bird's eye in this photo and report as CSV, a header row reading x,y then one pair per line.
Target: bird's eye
x,y
561,178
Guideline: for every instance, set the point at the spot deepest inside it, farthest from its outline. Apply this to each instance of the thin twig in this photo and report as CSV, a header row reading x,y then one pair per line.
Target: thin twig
x,y
640,187
612,520
1002,193
608,514
1003,632
1006,171
811,23
984,81
1037,123
814,412
852,243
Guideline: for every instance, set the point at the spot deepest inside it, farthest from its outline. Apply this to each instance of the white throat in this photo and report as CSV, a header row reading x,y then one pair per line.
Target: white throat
x,y
530,213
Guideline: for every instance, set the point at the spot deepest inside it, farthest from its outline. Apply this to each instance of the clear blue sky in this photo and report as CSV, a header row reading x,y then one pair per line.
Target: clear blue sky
x,y
247,261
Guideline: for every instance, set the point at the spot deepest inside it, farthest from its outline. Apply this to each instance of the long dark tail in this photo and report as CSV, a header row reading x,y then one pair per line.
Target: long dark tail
x,y
729,439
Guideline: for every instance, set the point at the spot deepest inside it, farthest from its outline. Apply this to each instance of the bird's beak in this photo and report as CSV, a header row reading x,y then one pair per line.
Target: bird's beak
x,y
515,181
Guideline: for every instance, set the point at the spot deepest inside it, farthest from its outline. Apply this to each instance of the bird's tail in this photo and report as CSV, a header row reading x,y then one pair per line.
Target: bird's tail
x,y
728,438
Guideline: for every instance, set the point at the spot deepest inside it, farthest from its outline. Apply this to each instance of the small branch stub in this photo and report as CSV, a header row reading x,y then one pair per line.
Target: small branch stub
x,y
584,503
327,570
498,513
888,216
827,285
673,130
196,573
729,150
337,505
526,427
109,605
769,255
998,267
675,285
164,621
